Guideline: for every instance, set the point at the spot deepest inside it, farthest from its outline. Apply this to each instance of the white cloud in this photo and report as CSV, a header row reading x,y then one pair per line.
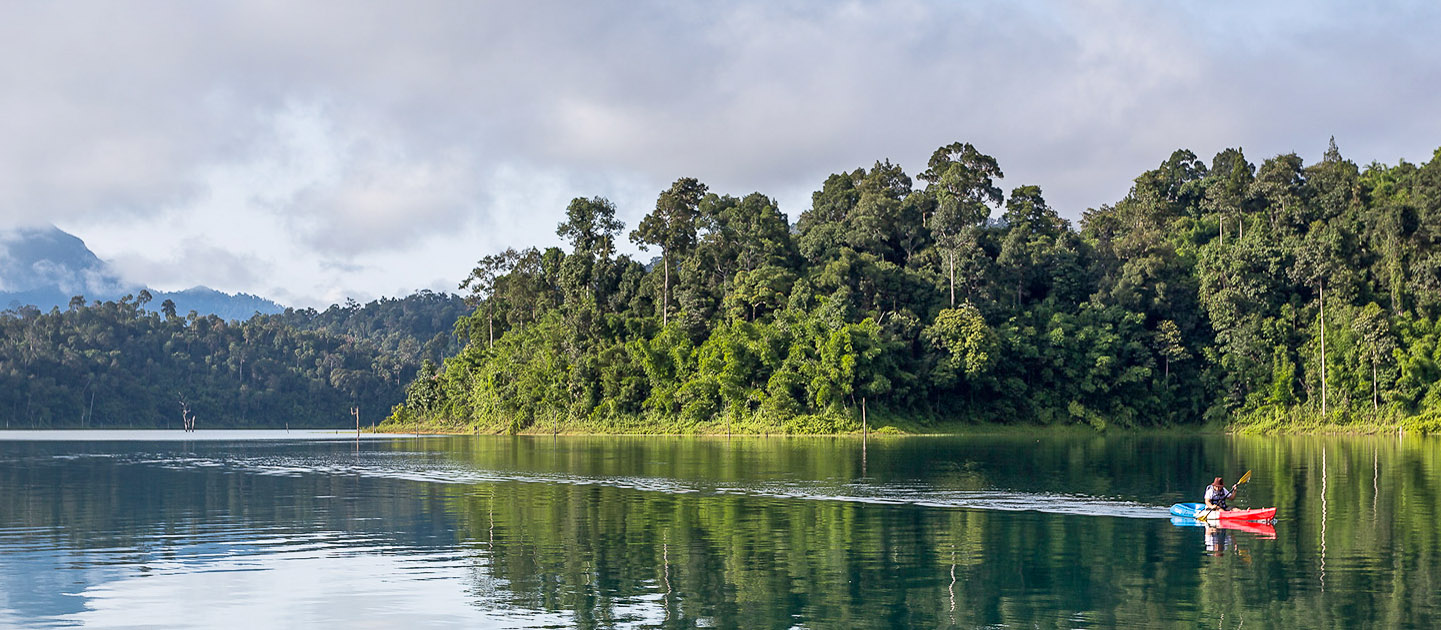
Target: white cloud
x,y
178,266
354,149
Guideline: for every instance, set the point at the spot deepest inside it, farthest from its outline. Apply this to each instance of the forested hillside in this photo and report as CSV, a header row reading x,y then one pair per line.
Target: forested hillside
x,y
1222,291
420,326
120,364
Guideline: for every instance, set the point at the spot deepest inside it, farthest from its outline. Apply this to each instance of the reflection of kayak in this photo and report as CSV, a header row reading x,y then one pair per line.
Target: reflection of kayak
x,y
1199,511
1264,530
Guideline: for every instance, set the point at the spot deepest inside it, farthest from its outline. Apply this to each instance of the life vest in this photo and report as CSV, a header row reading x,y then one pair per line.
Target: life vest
x,y
1218,497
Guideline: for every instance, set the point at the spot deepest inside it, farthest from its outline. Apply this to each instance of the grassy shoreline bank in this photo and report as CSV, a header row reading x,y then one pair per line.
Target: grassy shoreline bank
x,y
1304,421
1282,423
879,427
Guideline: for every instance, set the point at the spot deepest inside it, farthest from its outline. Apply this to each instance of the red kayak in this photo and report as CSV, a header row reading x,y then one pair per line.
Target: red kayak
x,y
1199,512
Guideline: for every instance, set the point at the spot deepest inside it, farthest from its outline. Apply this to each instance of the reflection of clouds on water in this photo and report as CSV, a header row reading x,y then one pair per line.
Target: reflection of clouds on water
x,y
308,585
36,580
240,576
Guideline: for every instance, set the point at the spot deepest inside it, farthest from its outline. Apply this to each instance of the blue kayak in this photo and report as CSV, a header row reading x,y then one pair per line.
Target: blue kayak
x,y
1199,511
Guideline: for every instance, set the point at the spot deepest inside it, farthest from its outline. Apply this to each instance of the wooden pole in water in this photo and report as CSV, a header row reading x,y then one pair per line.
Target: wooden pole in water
x,y
865,433
863,457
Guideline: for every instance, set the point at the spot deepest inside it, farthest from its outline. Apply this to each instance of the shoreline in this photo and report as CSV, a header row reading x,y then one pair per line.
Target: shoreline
x,y
952,431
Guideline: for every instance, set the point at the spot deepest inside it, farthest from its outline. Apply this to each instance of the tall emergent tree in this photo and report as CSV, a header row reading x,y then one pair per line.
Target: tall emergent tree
x,y
963,182
1318,259
1375,332
483,282
590,226
672,227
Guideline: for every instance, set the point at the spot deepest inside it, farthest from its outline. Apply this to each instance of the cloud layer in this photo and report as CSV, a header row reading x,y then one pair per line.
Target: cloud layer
x,y
310,151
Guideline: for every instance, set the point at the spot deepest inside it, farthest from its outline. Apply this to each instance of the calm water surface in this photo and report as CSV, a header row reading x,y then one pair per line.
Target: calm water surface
x,y
252,529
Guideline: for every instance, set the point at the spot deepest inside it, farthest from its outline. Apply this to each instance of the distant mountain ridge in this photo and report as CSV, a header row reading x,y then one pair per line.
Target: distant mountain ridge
x,y
45,267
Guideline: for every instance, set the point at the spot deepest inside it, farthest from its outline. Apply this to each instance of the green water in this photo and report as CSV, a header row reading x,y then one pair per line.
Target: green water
x,y
275,530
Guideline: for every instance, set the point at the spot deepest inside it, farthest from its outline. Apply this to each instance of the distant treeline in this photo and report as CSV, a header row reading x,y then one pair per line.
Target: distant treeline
x,y
120,364
414,328
1202,296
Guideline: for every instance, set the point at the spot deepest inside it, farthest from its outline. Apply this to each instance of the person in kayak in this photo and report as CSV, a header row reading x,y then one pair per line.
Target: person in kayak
x,y
1216,495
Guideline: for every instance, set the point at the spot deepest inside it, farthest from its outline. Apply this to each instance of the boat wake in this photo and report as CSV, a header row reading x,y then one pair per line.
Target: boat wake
x,y
854,491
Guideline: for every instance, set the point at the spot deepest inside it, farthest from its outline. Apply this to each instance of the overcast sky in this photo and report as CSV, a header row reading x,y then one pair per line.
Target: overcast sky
x,y
312,151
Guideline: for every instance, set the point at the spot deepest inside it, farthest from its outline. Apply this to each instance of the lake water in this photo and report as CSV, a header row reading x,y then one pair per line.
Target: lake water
x,y
300,530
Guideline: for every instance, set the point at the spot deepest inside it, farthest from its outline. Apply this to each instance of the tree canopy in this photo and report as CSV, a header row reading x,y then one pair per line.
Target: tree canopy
x,y
117,364
1210,292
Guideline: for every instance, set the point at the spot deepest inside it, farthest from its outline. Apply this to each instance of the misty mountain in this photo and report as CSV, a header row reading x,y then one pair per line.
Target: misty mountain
x,y
45,267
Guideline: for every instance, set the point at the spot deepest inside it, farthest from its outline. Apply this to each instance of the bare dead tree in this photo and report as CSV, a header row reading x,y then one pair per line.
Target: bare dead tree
x,y
187,419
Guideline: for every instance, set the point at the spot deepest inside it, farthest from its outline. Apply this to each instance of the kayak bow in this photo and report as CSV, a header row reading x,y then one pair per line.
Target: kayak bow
x,y
1198,511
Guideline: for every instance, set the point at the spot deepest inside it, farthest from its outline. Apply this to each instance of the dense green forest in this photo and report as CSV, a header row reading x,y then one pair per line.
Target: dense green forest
x,y
418,327
120,364
1271,296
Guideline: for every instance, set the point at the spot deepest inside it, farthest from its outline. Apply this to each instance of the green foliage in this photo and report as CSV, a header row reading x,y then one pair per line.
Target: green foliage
x,y
116,364
969,344
1196,298
412,329
1298,294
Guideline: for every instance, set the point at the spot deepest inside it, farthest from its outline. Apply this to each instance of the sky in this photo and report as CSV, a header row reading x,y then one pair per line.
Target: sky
x,y
312,151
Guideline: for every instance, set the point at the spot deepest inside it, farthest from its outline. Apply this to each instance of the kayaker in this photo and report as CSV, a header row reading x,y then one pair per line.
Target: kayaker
x,y
1216,495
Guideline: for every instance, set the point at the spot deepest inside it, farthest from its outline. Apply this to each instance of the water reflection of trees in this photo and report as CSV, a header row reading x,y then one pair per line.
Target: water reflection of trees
x,y
740,561
1357,544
